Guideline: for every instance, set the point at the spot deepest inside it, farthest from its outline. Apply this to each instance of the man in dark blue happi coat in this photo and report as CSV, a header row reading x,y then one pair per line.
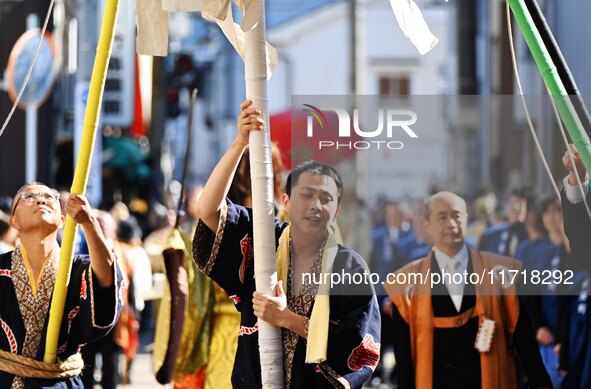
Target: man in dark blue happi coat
x,y
222,249
27,279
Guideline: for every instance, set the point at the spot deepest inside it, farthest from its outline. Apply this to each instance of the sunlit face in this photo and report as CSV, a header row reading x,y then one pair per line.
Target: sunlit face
x,y
552,219
313,204
516,209
36,206
394,216
108,226
447,220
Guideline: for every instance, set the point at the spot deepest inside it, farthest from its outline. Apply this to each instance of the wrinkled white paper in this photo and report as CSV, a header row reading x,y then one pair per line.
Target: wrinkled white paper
x,y
235,35
181,5
152,20
413,25
152,28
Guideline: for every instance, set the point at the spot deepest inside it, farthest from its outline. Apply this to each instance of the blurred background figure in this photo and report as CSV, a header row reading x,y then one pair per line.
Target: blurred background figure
x,y
110,346
385,256
5,202
161,219
504,238
119,211
418,243
386,259
482,212
8,234
550,251
354,224
534,225
129,250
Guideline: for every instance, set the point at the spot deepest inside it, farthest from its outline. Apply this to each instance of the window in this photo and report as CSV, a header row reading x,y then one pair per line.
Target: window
x,y
394,86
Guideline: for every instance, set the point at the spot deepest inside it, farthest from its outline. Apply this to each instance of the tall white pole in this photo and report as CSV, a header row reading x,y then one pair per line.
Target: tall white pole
x,y
270,344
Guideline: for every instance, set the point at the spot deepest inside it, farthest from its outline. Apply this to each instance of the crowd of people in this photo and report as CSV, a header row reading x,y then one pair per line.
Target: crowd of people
x,y
545,235
489,334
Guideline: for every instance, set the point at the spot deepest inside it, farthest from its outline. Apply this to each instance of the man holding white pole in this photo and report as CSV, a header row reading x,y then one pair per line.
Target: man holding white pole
x,y
330,339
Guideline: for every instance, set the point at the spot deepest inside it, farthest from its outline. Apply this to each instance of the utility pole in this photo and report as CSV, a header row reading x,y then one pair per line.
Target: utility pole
x,y
484,89
353,46
87,44
87,38
31,124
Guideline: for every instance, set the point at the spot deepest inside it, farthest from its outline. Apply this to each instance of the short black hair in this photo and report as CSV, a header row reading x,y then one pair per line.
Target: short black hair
x,y
546,202
523,193
4,223
129,230
314,168
5,202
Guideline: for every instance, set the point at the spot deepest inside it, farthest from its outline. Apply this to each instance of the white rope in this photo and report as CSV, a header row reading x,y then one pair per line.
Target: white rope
x,y
529,122
20,93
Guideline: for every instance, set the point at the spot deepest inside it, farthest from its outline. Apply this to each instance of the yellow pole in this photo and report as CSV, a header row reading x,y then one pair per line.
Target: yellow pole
x,y
91,119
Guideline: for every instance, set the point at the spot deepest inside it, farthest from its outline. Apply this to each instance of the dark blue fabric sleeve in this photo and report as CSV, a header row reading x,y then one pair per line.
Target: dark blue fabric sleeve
x,y
99,307
226,256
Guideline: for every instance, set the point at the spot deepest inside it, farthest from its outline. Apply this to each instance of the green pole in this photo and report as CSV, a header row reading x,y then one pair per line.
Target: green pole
x,y
551,77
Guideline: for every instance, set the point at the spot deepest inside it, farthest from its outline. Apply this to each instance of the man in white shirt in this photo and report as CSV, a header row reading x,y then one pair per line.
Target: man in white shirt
x,y
454,333
575,349
577,224
452,265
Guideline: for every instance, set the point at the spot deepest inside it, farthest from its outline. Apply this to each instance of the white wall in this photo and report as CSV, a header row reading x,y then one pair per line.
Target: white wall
x,y
317,46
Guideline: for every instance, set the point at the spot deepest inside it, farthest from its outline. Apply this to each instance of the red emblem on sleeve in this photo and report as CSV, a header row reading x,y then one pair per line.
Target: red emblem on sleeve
x,y
83,286
246,249
367,354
